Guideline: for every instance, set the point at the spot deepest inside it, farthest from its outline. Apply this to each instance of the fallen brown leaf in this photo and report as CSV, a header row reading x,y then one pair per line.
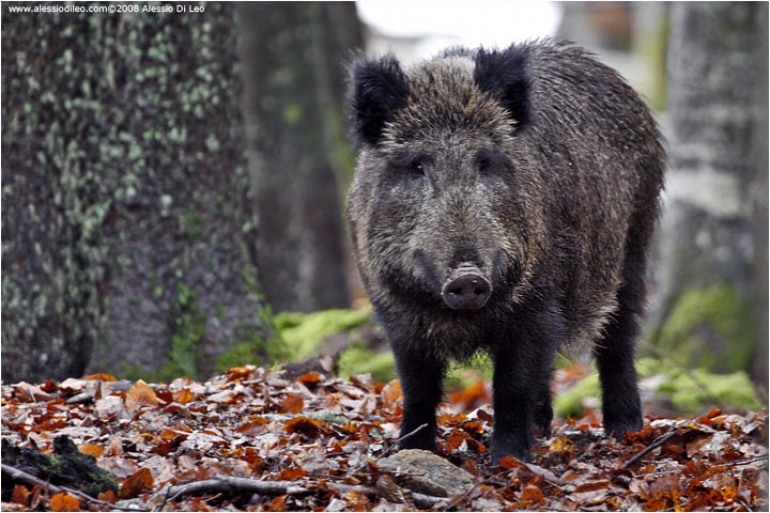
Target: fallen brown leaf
x,y
141,394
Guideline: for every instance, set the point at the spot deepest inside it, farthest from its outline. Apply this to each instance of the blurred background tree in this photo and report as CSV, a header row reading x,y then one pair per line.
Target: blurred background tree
x,y
293,65
712,270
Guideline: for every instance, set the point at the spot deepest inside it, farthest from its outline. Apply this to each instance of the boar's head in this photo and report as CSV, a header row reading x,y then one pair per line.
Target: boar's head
x,y
446,208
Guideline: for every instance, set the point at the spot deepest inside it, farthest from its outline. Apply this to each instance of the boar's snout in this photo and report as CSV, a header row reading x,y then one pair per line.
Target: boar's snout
x,y
466,288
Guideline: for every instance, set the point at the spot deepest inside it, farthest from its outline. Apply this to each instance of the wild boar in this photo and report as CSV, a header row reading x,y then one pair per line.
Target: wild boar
x,y
504,201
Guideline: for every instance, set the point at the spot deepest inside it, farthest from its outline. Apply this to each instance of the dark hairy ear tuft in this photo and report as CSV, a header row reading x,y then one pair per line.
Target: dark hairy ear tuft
x,y
379,88
503,74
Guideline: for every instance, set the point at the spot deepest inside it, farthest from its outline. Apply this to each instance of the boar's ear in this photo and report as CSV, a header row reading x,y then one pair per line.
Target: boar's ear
x,y
503,74
379,88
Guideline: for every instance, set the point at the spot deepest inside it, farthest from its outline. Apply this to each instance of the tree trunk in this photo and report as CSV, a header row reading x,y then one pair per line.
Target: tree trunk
x,y
292,55
127,231
709,292
759,368
54,251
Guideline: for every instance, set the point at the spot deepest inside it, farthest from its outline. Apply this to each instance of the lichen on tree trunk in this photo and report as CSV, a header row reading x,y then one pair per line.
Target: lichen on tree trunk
x,y
127,220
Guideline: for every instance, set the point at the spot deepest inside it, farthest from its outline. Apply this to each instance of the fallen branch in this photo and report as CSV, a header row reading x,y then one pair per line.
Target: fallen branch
x,y
22,477
238,485
235,485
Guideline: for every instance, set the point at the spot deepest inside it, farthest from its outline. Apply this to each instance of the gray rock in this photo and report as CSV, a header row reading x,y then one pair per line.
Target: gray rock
x,y
424,472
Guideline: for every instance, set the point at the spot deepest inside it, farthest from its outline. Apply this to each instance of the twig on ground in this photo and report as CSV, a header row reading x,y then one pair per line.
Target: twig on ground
x,y
759,459
655,443
415,430
393,446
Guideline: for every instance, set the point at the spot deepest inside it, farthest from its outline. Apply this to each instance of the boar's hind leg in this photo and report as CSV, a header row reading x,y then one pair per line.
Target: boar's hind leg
x,y
621,406
420,377
521,393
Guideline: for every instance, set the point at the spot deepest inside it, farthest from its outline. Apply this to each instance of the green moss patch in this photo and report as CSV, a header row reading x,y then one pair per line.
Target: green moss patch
x,y
697,389
712,329
688,391
358,359
190,324
303,333
571,402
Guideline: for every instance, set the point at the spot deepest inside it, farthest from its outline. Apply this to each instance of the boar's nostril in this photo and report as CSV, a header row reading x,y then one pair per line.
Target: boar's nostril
x,y
468,291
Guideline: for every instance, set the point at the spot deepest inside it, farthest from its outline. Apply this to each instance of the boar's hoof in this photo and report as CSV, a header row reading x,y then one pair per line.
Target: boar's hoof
x,y
466,289
618,429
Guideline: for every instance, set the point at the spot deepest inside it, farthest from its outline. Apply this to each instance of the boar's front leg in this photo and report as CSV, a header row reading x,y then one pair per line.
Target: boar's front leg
x,y
514,407
420,376
521,393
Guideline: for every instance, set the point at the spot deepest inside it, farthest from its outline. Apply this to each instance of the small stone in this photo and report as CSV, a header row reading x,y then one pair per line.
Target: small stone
x,y
424,472
336,505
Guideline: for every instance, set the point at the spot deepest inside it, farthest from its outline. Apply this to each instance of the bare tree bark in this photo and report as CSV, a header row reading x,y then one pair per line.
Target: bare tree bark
x,y
293,55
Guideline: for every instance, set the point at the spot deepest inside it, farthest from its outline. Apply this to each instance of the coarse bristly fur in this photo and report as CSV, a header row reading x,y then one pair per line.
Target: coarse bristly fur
x,y
534,167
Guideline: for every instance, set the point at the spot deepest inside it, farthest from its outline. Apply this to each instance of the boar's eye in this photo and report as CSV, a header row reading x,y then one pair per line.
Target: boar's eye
x,y
484,164
413,165
417,167
488,161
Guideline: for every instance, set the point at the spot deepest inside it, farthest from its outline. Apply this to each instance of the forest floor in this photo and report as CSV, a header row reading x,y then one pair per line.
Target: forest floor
x,y
256,440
